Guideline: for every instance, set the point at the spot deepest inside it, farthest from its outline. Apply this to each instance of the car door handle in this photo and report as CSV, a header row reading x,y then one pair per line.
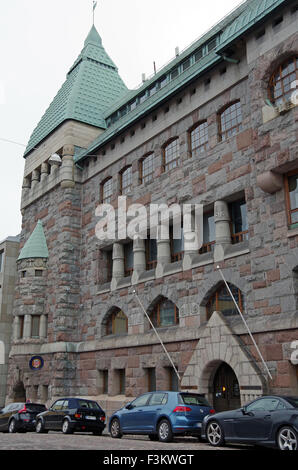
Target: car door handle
x,y
140,410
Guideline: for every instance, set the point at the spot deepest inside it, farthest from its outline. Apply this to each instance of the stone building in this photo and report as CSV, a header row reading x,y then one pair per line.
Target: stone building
x,y
9,249
217,127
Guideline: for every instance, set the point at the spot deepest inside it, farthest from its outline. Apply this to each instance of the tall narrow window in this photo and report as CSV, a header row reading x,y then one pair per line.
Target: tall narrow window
x,y
176,244
151,253
208,233
128,259
1,259
165,313
120,376
239,227
147,168
35,326
107,191
279,90
230,121
221,301
151,377
21,326
199,139
171,158
172,379
103,382
126,180
291,184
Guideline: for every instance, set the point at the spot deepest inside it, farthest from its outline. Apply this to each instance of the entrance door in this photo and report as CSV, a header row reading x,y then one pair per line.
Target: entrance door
x,y
226,390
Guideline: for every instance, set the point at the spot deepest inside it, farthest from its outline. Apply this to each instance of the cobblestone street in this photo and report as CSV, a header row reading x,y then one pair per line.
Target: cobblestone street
x,y
58,441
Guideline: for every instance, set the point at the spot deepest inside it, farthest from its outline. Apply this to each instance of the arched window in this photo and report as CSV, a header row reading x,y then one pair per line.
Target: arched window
x,y
221,301
279,89
107,191
117,323
165,313
230,120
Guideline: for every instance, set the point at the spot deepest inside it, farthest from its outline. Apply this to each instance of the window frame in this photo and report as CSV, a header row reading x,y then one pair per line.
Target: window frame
x,y
238,237
128,187
148,178
196,151
106,199
272,82
156,311
224,134
110,323
173,162
289,210
216,296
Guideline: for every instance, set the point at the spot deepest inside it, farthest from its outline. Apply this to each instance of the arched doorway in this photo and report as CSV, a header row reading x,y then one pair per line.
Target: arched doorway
x,y
226,390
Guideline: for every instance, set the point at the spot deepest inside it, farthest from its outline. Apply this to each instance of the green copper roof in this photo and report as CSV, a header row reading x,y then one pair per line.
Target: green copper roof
x,y
92,85
36,245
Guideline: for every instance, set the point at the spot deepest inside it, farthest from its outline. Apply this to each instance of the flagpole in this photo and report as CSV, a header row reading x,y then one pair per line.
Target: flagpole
x,y
159,338
246,325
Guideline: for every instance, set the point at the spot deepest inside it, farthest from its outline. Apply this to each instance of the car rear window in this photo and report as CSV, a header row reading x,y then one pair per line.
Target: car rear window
x,y
88,404
35,407
193,399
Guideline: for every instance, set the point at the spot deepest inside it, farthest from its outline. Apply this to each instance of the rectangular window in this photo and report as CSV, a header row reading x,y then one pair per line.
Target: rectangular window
x,y
208,233
199,139
103,382
35,326
291,185
126,180
109,265
186,64
230,121
38,272
177,245
172,379
151,375
147,169
128,259
239,227
120,381
21,326
171,155
151,253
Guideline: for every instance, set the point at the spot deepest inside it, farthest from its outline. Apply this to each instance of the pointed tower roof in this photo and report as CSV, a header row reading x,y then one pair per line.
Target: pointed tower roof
x,y
92,85
36,245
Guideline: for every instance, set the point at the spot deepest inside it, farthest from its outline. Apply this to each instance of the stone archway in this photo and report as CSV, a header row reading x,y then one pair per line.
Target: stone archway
x,y
219,344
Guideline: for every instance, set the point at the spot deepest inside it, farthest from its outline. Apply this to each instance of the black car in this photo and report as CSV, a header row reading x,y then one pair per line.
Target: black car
x,y
19,416
72,414
270,421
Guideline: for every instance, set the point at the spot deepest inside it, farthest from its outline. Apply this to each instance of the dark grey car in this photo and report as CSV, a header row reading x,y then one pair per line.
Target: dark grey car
x,y
270,421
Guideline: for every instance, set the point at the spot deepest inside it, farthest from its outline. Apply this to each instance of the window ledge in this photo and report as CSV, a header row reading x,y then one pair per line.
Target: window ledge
x,y
293,232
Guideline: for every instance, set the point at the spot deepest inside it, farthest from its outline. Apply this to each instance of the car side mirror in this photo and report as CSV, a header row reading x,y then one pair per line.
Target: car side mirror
x,y
245,412
129,406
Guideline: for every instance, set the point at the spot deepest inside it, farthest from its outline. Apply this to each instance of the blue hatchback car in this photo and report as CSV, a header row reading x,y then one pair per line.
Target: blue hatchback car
x,y
161,415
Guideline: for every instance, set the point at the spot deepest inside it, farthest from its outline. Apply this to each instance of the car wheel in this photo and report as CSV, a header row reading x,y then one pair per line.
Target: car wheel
x,y
153,437
115,429
40,427
214,434
66,427
287,439
164,431
12,426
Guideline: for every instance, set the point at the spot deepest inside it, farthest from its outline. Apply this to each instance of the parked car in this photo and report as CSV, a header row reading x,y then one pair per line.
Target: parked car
x,y
19,416
72,414
270,421
161,415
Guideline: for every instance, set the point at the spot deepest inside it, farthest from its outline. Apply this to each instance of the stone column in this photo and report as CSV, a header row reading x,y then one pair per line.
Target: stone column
x,y
44,172
163,256
67,168
35,178
139,259
16,328
118,264
27,326
222,229
43,326
193,237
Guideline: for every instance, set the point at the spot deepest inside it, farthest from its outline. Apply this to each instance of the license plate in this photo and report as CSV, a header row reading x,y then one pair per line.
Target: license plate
x,y
91,417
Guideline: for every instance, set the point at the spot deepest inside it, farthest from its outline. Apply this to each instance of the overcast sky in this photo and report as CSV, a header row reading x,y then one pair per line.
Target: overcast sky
x,y
40,40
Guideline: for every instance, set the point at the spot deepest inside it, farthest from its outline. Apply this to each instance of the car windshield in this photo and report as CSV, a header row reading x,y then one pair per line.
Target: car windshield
x,y
293,401
88,404
35,407
193,399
